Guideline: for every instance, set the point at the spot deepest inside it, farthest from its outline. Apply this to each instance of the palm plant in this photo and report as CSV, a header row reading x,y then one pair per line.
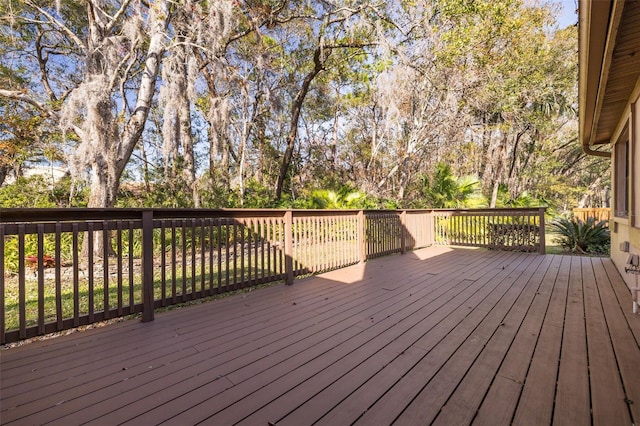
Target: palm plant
x,y
344,198
582,237
523,199
445,190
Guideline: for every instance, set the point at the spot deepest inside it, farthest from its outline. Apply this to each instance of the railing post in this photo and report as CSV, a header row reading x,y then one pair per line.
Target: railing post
x,y
362,252
431,228
403,232
2,289
543,248
147,265
288,246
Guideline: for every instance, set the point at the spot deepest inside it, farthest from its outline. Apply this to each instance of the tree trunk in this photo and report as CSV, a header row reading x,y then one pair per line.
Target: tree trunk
x,y
101,195
145,168
514,153
261,140
405,176
217,117
319,59
513,180
110,149
136,123
586,200
184,120
242,158
497,172
486,143
4,170
494,194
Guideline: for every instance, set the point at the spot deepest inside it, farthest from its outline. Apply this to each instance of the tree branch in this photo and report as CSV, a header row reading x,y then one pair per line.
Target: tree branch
x,y
58,24
117,16
42,62
121,65
21,96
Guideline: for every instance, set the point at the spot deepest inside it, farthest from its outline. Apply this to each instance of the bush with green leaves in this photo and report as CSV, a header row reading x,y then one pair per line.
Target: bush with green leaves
x,y
583,237
38,192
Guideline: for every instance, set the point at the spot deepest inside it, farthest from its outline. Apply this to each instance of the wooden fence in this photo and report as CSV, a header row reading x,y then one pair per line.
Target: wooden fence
x,y
598,213
64,268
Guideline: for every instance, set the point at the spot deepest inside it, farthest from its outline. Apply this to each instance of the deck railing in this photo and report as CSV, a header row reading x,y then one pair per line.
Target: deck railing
x,y
501,229
64,268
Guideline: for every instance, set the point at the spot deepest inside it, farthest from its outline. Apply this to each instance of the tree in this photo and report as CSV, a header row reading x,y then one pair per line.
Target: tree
x,y
341,27
106,45
176,93
23,138
217,103
520,80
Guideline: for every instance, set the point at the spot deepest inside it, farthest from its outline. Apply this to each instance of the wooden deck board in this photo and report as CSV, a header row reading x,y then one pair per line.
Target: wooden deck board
x,y
369,341
535,405
422,410
307,349
521,320
352,407
202,373
607,396
456,333
572,404
334,326
360,371
447,334
500,400
626,347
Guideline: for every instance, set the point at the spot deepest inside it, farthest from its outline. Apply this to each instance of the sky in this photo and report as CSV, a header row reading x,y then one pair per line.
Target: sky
x,y
568,15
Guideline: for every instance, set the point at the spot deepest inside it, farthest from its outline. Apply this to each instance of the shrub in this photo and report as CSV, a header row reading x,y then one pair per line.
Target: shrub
x,y
588,237
38,192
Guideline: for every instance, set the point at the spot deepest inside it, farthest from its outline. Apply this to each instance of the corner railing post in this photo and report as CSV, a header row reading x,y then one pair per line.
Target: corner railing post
x,y
362,252
147,265
288,246
543,243
403,231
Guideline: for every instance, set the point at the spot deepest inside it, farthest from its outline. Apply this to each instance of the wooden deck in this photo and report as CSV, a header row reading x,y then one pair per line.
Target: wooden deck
x,y
440,335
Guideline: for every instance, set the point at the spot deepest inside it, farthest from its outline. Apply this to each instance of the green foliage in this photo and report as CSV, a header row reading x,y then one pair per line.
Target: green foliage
x,y
444,190
588,237
256,195
524,199
344,198
216,196
68,192
31,248
26,192
160,190
38,192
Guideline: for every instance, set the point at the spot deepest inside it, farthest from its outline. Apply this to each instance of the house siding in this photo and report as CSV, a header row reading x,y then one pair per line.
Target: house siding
x,y
626,227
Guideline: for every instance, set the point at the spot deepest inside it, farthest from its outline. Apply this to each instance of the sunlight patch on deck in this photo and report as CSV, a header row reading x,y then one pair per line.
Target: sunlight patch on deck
x,y
349,275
